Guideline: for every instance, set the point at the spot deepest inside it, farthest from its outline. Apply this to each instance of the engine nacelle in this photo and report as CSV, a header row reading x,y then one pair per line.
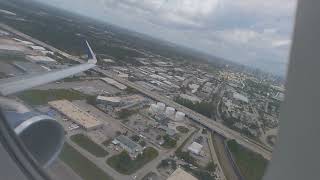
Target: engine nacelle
x,y
42,135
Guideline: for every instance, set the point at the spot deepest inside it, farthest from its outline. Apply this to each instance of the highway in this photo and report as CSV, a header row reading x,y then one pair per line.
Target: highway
x,y
199,118
266,152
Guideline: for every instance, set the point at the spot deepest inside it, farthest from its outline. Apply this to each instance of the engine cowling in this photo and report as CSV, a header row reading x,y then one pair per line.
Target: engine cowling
x,y
41,134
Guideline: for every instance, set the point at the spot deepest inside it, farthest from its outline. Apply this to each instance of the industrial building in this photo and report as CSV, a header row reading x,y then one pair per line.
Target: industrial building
x,y
23,42
153,109
240,97
159,108
133,148
11,49
41,59
180,174
28,67
125,101
180,116
75,114
114,83
193,99
170,112
112,101
195,148
168,131
37,48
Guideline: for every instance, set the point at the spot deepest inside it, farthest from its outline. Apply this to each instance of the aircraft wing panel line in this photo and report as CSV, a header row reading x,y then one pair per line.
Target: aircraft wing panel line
x,y
18,84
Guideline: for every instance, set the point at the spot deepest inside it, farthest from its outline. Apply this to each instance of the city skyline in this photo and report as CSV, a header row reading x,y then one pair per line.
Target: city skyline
x,y
252,33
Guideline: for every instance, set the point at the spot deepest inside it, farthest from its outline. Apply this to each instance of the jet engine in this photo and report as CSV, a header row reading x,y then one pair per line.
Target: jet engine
x,y
42,135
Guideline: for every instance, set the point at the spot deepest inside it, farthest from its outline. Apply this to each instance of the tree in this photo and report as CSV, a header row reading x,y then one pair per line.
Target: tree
x,y
125,113
118,133
142,143
204,108
211,166
158,137
169,142
186,157
135,138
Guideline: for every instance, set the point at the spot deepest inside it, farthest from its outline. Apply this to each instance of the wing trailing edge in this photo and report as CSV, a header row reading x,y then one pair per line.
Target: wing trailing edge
x,y
17,84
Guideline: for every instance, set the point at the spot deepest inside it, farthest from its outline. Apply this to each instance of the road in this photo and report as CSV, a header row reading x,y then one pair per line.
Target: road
x,y
205,121
152,166
215,159
99,162
226,165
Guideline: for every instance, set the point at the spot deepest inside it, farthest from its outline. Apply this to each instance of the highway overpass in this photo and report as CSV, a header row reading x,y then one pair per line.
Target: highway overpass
x,y
205,121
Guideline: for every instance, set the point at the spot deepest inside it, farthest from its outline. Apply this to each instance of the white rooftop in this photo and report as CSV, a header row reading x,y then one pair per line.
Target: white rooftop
x,y
108,60
110,99
10,47
240,97
194,99
40,58
38,48
195,148
114,83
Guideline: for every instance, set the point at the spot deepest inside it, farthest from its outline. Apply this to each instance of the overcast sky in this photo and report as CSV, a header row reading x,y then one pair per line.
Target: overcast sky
x,y
250,32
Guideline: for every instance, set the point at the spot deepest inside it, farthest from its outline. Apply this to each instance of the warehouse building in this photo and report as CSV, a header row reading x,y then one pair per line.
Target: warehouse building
x,y
134,149
112,101
114,83
194,99
195,148
28,67
240,97
41,59
75,114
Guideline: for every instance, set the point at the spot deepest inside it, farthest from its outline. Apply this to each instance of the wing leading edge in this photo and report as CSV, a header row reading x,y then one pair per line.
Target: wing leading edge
x,y
17,84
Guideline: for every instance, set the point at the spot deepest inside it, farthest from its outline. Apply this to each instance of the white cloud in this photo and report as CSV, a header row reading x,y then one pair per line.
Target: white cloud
x,y
281,43
241,36
245,31
260,7
182,12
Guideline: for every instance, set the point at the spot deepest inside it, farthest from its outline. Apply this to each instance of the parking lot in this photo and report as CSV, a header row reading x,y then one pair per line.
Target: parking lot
x,y
90,87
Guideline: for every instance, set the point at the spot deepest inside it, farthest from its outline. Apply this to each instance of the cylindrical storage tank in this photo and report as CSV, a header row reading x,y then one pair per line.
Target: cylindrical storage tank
x,y
153,108
170,112
161,107
180,116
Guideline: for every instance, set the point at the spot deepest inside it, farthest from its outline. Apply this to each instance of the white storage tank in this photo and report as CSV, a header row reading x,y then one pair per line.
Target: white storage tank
x,y
170,112
153,108
179,116
161,107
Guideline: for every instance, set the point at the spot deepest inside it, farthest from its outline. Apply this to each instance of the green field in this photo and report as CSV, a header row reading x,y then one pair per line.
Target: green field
x,y
251,165
124,165
81,165
107,142
182,129
169,142
40,97
87,144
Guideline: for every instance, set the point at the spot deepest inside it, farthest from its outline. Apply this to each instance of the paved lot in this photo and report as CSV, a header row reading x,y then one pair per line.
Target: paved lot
x,y
92,87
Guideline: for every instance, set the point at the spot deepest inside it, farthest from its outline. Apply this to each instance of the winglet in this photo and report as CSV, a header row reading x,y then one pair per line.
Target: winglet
x,y
91,56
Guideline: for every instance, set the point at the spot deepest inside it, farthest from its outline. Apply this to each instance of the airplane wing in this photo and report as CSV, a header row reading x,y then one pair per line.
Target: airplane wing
x,y
17,84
